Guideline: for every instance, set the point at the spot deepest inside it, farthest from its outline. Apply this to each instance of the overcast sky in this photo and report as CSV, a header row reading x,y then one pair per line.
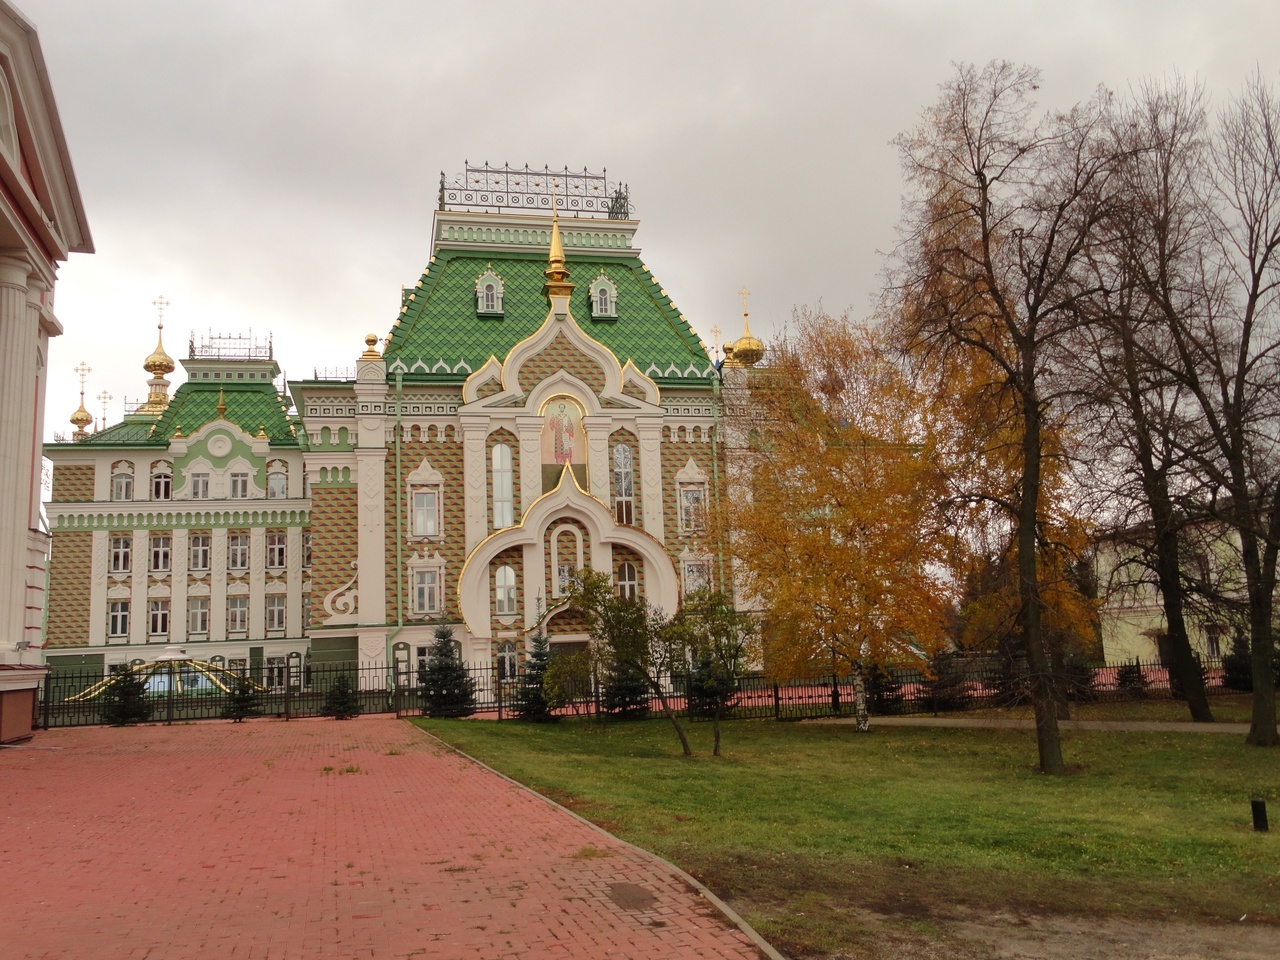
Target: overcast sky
x,y
273,166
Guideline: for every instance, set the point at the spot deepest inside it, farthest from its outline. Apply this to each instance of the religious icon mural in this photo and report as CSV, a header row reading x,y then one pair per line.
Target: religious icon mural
x,y
564,444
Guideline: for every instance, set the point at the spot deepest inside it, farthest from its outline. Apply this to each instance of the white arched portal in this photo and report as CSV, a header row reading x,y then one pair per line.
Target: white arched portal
x,y
566,501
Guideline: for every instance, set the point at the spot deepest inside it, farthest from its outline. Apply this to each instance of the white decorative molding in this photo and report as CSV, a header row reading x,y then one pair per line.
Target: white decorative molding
x,y
340,604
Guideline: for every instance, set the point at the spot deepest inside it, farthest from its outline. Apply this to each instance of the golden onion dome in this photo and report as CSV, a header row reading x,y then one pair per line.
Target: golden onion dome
x,y
82,417
747,350
159,363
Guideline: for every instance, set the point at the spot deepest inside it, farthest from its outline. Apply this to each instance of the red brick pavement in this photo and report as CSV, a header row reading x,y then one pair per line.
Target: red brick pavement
x,y
315,839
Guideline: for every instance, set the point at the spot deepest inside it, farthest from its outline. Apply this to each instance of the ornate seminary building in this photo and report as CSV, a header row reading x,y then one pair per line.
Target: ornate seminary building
x,y
538,406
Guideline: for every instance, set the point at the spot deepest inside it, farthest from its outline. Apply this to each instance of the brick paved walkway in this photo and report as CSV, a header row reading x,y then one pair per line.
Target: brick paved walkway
x,y
315,839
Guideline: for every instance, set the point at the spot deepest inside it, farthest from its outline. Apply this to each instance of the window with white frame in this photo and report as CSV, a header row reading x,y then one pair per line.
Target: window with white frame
x,y
489,293
426,591
161,554
693,507
162,482
275,611
306,551
564,578
628,581
199,486
238,551
122,482
159,615
201,548
567,557
237,614
239,486
118,618
504,591
277,480
276,541
604,297
508,660
696,575
306,610
426,501
198,616
121,554
624,484
503,487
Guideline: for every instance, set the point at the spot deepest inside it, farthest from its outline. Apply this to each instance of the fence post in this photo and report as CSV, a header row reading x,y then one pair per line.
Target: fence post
x,y
48,697
777,706
288,692
497,673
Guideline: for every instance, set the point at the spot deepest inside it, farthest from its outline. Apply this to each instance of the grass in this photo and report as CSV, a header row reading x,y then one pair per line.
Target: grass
x,y
809,828
1227,708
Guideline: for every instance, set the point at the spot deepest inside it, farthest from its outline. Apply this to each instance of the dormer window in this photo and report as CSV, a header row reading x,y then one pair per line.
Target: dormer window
x,y
489,294
604,298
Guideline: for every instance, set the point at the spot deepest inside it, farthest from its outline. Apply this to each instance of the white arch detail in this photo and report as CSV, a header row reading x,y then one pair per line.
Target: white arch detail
x,y
567,500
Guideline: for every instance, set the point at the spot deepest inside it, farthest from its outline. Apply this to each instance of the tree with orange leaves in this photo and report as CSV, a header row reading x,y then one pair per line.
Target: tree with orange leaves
x,y
834,527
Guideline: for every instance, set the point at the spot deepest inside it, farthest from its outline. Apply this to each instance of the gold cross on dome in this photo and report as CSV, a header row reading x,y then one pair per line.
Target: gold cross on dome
x,y
105,398
715,340
83,369
744,293
160,303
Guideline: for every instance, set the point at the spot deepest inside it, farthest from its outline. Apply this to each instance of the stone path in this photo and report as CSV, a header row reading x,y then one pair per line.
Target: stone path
x,y
316,839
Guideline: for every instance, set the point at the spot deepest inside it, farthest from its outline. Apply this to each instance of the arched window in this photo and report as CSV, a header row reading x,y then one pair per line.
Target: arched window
x,y
489,293
603,301
161,481
490,298
277,480
122,481
628,582
504,591
604,298
503,487
624,484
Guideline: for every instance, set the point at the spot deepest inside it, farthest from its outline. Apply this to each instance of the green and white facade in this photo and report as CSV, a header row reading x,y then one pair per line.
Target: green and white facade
x,y
539,405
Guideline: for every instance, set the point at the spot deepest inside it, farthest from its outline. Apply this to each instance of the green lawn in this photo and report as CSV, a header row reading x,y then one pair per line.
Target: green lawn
x,y
1227,708
804,825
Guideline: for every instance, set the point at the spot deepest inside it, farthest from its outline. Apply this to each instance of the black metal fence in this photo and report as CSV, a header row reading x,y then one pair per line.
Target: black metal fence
x,y
954,684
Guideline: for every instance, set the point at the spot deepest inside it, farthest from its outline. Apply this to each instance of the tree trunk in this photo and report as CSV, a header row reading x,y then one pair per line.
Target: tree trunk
x,y
715,732
671,715
1262,726
1043,688
1185,667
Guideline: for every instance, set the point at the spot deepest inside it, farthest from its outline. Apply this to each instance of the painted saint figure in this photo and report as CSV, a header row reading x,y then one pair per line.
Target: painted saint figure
x,y
560,421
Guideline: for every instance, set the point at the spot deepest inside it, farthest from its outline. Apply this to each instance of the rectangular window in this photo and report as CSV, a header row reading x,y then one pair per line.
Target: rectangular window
x,y
198,615
238,551
693,506
564,577
275,612
306,551
121,554
237,614
426,591
201,549
426,512
162,486
306,610
697,576
239,486
122,486
275,672
503,487
118,619
199,486
277,485
275,550
159,626
161,548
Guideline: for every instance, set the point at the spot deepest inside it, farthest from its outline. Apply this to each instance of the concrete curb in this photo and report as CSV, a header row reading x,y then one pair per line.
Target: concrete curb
x,y
730,914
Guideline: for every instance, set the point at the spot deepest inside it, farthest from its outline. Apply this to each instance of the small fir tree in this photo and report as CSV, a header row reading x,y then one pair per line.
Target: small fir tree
x,y
884,689
125,702
531,701
342,702
1131,680
712,687
1237,667
448,690
625,691
243,700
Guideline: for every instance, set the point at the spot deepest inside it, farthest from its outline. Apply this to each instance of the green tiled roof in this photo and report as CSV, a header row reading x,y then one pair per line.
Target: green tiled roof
x,y
440,337
132,431
249,406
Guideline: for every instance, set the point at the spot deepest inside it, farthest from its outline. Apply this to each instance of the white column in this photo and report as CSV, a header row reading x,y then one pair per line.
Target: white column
x,y
18,336
294,627
475,473
218,584
597,430
257,583
179,622
99,581
372,535
530,433
650,437
139,619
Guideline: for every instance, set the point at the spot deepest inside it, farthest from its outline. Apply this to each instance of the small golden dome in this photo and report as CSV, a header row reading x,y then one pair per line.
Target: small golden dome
x,y
81,418
371,348
159,363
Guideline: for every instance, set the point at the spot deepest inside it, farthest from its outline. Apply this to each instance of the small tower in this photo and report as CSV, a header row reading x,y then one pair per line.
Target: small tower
x,y
558,286
82,417
158,364
746,351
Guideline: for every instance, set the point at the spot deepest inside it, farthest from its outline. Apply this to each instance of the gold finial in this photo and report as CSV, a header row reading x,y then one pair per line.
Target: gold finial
x,y
104,398
262,432
222,405
177,431
158,364
371,348
557,273
746,351
82,417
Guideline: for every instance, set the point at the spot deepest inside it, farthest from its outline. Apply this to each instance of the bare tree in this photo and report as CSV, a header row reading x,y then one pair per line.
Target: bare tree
x,y
999,232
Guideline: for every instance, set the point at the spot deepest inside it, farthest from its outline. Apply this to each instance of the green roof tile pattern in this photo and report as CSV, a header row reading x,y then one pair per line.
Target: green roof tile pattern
x,y
440,337
133,431
249,406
